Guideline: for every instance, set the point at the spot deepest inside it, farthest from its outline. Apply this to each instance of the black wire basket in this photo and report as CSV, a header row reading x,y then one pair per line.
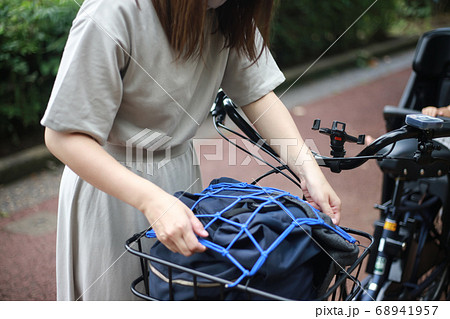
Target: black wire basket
x,y
344,286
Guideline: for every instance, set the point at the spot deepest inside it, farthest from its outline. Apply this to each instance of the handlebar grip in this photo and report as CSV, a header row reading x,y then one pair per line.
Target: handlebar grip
x,y
217,110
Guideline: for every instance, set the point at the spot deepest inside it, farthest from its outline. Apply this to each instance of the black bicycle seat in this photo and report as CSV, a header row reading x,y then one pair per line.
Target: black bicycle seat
x,y
401,161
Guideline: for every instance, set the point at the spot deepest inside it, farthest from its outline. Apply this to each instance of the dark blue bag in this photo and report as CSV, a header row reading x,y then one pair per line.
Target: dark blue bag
x,y
269,237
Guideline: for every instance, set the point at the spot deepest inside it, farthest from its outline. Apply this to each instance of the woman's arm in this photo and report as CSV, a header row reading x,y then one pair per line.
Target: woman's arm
x,y
275,124
174,223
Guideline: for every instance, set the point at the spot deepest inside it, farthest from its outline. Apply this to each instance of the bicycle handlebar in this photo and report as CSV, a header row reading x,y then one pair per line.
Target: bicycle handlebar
x,y
223,106
370,152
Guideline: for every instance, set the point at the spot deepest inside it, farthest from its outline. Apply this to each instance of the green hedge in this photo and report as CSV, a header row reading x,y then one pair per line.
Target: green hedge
x,y
32,37
33,34
304,29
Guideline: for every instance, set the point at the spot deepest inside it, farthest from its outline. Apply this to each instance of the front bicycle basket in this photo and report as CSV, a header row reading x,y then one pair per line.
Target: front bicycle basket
x,y
263,244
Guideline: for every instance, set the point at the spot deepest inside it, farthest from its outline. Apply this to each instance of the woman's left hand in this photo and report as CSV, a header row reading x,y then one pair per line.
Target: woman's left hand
x,y
320,194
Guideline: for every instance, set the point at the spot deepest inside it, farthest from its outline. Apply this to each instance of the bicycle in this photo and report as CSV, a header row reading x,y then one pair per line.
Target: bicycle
x,y
411,256
342,285
410,248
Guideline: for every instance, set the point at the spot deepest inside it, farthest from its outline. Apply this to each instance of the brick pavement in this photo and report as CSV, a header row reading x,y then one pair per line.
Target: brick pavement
x,y
27,237
28,207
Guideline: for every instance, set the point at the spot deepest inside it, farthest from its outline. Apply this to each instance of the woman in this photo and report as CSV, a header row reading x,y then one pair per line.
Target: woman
x,y
151,69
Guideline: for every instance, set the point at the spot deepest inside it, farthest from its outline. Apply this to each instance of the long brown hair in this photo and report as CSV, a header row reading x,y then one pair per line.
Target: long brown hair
x,y
184,23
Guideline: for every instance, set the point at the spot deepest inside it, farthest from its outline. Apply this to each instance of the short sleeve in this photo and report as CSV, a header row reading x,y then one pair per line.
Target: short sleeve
x,y
245,82
88,88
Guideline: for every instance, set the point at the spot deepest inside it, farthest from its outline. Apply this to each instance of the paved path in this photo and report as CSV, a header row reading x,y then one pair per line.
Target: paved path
x,y
28,207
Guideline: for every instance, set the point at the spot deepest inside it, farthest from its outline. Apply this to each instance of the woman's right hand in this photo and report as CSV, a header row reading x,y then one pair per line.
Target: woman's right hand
x,y
175,224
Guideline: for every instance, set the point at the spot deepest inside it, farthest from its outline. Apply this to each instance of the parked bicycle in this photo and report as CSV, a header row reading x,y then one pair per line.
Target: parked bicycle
x,y
410,258
166,276
410,248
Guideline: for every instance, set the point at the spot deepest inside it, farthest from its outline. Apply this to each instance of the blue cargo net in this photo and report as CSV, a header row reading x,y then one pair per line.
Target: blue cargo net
x,y
265,196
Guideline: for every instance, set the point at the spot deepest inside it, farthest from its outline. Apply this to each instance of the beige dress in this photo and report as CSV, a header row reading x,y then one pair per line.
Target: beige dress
x,y
118,83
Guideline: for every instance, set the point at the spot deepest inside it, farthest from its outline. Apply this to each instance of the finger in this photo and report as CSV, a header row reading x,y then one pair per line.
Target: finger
x,y
336,208
337,218
430,111
192,243
313,204
197,226
326,208
178,244
183,248
173,241
167,243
